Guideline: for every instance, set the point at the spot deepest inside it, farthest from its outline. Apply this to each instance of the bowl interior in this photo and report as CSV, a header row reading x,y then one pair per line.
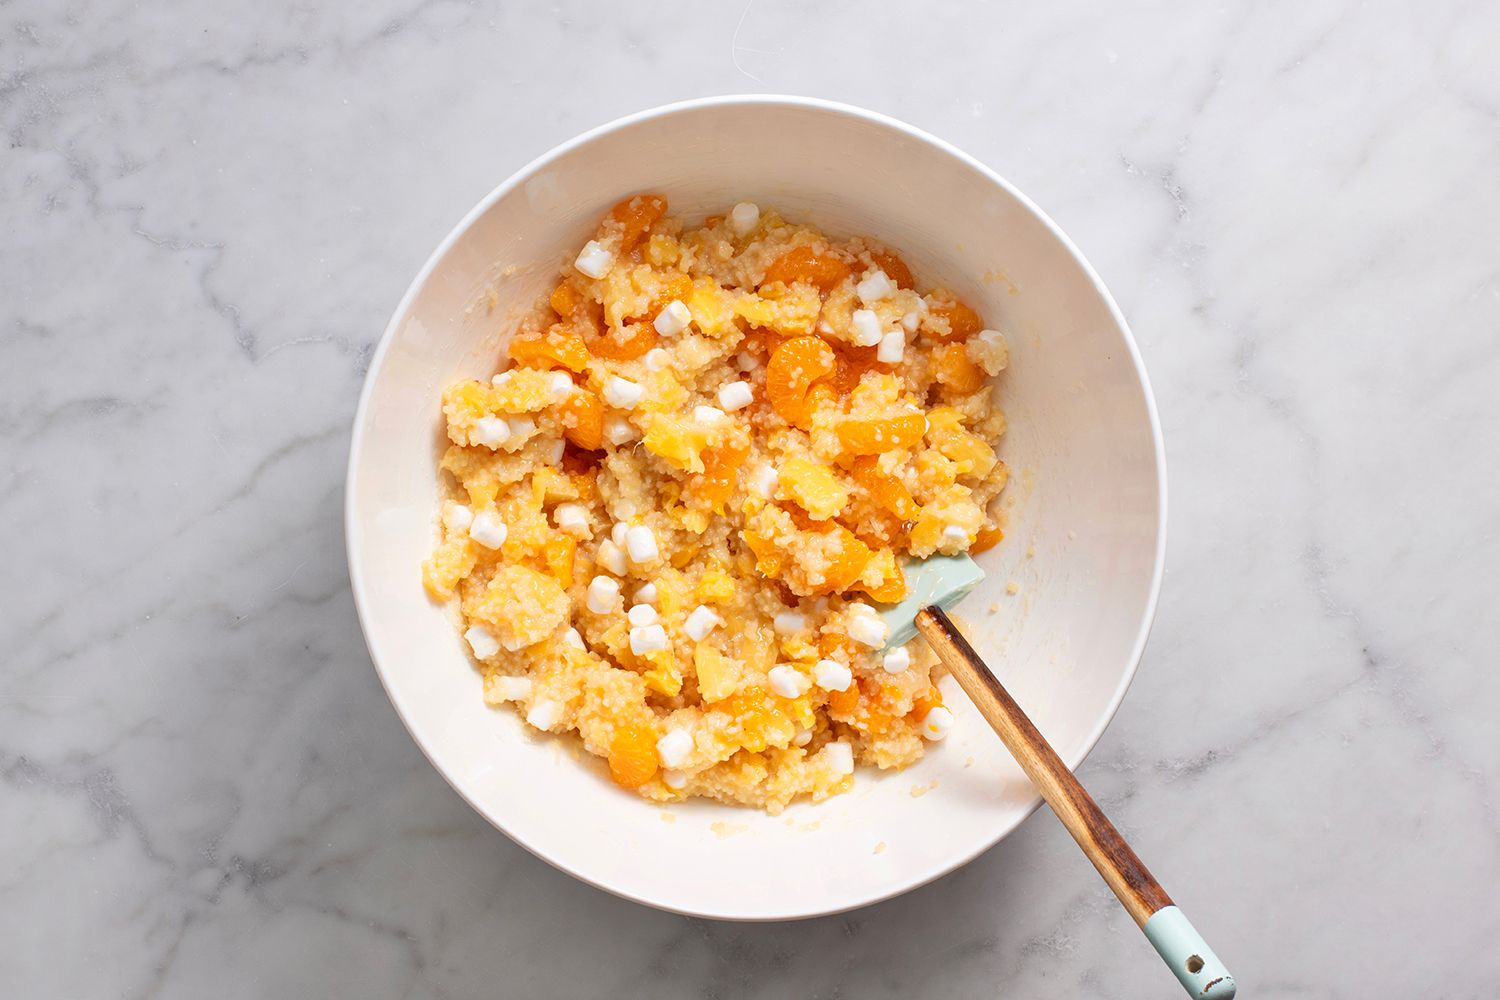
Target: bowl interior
x,y
1085,505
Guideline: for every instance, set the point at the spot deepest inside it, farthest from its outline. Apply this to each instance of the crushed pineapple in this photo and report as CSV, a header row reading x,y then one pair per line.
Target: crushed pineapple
x,y
625,482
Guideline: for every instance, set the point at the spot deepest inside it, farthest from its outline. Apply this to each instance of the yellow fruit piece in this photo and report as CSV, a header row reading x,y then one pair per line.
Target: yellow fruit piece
x,y
712,309
527,390
523,605
793,313
663,677
815,488
549,486
559,551
717,673
450,563
968,451
676,441
715,585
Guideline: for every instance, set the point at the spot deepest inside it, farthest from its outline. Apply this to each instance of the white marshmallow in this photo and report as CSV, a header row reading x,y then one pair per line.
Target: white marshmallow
x,y
490,432
513,688
746,362
559,386
520,427
602,594
482,641
702,621
572,519
911,321
744,217
488,530
656,359
865,625
866,325
764,481
618,531
803,737
641,615
936,723
618,430
956,533
648,639
573,637
892,348
896,660
502,378
675,780
552,450
622,392
594,261
646,594
673,748
673,319
457,518
831,675
787,681
710,416
840,757
544,714
641,544
789,622
736,396
875,287
612,558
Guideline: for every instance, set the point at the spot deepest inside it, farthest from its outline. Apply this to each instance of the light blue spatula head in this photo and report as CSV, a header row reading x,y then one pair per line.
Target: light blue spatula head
x,y
942,581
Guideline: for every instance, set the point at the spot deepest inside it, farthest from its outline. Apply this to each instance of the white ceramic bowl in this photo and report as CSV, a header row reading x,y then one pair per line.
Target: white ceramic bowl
x,y
1087,504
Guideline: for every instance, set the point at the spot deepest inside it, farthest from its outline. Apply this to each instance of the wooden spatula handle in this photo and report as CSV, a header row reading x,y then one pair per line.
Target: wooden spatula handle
x,y
1193,963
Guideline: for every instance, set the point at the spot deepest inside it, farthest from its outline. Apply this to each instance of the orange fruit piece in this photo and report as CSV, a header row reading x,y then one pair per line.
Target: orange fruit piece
x,y
891,589
632,756
987,539
625,344
955,369
583,419
844,703
803,263
894,267
794,366
852,363
768,559
871,437
558,553
847,562
715,484
888,491
926,702
963,322
560,347
679,286
636,215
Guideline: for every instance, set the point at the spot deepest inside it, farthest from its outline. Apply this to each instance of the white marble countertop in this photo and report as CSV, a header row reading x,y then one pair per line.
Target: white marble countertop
x,y
208,221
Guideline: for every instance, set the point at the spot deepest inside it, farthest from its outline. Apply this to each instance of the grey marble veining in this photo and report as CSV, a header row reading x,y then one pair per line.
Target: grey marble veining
x,y
209,213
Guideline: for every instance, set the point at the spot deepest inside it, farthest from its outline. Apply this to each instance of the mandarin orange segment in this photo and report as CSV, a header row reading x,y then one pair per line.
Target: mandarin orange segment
x,y
632,756
844,703
715,484
822,270
846,561
558,554
677,287
871,437
627,343
794,366
963,322
563,300
956,370
583,419
890,590
989,536
926,702
768,558
894,267
635,216
852,363
888,491
560,347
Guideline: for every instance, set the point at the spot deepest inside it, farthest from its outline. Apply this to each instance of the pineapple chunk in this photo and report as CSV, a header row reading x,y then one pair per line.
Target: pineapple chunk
x,y
717,674
815,488
522,605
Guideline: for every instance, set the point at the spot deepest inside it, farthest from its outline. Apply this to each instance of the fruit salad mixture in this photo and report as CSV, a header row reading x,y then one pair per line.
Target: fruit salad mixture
x,y
674,511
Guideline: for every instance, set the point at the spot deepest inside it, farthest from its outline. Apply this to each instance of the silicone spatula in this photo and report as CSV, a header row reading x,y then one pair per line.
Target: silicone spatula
x,y
935,585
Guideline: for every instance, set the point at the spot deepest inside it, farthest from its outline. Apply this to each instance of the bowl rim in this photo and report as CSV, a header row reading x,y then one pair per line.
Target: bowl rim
x,y
519,176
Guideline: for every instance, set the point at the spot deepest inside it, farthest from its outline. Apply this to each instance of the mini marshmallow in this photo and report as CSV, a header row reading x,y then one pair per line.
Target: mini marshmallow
x,y
911,321
573,637
648,639
641,544
744,217
673,748
641,615
488,530
622,392
457,518
736,396
702,621
618,532
544,714
559,386
787,681
482,641
866,325
552,451
513,688
896,660
831,675
840,757
594,261
746,362
865,626
502,378
490,432
803,737
764,481
789,622
892,348
602,594
673,319
936,723
675,780
709,415
618,430
875,287
572,519
612,558
646,594
956,533
656,359
521,427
